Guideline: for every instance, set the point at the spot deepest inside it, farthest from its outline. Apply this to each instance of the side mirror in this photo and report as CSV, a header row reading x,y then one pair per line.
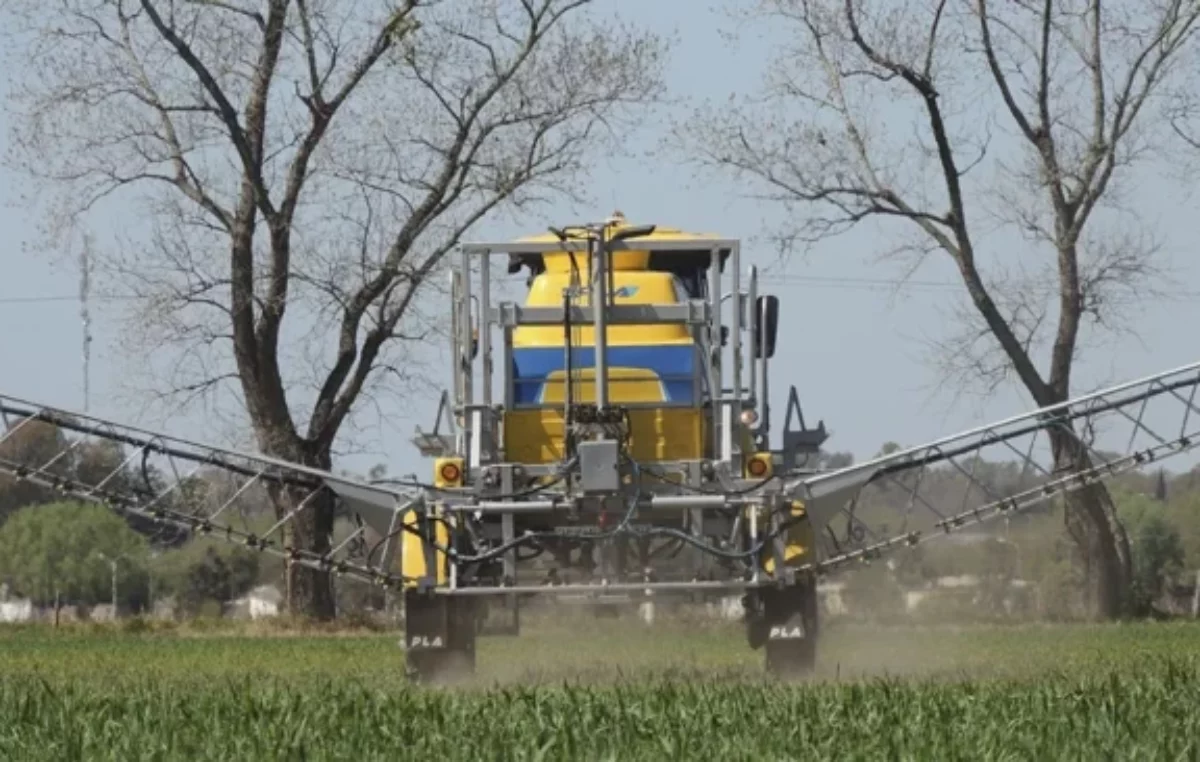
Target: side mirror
x,y
766,325
724,335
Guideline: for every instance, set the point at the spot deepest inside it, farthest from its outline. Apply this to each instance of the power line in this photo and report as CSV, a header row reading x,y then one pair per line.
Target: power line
x,y
874,283
852,280
848,282
786,279
863,284
36,299
46,298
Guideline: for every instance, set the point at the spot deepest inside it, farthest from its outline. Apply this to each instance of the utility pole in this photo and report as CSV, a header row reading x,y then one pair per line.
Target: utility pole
x,y
112,565
85,265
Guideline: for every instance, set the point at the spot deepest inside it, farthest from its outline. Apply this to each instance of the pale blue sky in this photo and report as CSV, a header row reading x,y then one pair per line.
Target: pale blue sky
x,y
852,354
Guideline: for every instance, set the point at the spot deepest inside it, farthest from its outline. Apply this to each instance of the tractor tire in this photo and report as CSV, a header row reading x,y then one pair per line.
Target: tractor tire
x,y
439,635
788,630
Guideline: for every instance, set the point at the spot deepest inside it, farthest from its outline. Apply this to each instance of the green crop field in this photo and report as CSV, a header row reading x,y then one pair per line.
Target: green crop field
x,y
605,690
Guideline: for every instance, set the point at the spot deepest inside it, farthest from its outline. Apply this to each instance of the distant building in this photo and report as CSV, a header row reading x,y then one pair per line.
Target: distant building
x,y
262,602
16,611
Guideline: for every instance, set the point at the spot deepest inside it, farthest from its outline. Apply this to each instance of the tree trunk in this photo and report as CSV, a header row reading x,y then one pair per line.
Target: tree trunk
x,y
1104,542
1124,553
1196,598
309,592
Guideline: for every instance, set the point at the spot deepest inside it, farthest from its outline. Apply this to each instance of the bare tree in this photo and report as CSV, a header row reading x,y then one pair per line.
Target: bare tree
x,y
1183,115
302,166
964,123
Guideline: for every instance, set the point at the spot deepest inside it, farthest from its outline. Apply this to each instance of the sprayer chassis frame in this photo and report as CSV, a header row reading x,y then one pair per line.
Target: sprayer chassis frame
x,y
724,406
666,505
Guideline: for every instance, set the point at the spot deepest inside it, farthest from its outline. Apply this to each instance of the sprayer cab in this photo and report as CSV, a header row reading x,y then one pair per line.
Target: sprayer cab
x,y
620,336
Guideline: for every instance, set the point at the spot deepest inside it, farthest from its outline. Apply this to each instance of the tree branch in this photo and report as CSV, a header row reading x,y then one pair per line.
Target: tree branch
x,y
228,113
329,408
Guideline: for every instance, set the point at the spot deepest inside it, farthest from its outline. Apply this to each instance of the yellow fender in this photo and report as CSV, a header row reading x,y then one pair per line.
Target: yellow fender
x,y
800,539
412,549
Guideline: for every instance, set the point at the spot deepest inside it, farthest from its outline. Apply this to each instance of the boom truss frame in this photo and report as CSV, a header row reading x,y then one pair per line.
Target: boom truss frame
x,y
826,496
1172,392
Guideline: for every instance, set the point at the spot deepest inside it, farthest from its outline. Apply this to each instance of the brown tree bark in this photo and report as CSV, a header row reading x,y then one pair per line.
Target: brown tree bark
x,y
1103,540
308,592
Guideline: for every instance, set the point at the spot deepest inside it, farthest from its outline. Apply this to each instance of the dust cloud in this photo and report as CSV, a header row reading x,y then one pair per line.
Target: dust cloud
x,y
589,645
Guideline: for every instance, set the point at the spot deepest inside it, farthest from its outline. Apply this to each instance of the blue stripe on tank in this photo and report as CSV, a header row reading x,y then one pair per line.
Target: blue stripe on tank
x,y
675,365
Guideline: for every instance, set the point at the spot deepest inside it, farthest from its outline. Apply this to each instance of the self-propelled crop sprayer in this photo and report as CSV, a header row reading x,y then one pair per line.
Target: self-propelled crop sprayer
x,y
625,452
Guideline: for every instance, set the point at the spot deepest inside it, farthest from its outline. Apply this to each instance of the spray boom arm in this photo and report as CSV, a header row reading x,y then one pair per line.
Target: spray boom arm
x,y
1159,415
